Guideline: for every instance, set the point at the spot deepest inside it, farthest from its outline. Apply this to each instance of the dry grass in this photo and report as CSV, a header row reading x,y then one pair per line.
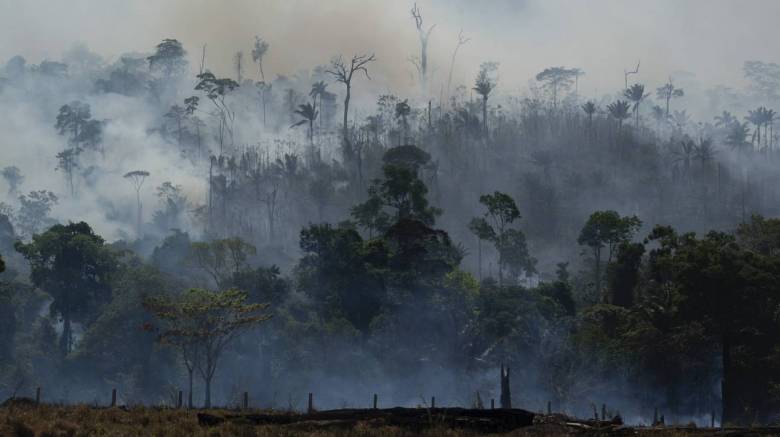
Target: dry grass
x,y
49,421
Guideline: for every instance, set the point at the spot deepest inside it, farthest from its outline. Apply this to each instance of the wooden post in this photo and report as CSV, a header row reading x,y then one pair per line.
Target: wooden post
x,y
433,401
179,401
549,407
37,396
113,397
311,403
246,400
375,400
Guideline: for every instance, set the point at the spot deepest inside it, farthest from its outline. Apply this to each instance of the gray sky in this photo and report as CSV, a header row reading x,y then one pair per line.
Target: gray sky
x,y
711,38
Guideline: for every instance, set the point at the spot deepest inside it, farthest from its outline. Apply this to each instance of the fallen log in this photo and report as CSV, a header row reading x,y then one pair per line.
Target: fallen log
x,y
498,420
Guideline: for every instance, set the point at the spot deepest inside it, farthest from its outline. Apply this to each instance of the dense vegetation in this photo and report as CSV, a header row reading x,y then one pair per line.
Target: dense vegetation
x,y
606,250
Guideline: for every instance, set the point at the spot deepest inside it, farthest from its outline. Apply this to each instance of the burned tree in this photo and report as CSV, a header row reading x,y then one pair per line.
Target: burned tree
x,y
506,394
344,73
421,63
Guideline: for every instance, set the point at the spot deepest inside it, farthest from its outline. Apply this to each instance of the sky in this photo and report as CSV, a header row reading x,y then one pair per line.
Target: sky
x,y
711,38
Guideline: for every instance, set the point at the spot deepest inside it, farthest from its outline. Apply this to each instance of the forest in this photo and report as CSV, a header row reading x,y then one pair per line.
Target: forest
x,y
223,229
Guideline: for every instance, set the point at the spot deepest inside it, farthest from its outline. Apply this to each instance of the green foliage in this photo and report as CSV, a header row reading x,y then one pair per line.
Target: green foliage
x,y
74,266
221,259
510,243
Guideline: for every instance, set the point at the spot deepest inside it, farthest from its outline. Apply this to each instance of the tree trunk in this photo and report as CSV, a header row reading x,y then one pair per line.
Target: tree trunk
x,y
67,333
189,393
730,413
484,115
346,112
597,253
207,380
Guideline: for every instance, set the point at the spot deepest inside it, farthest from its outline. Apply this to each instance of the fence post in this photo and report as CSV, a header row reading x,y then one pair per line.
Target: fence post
x,y
113,397
375,400
311,403
37,395
246,400
179,400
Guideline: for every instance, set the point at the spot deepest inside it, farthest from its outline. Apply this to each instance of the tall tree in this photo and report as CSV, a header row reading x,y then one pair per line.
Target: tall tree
x,y
258,53
74,266
344,73
619,111
309,114
484,85
667,92
557,80
496,226
636,94
422,62
217,91
137,178
169,58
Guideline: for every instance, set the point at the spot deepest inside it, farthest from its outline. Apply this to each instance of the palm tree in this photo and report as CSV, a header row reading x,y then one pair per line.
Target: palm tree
x,y
590,108
680,119
402,110
309,114
725,119
636,94
484,85
684,154
755,118
737,136
318,89
667,92
704,151
619,111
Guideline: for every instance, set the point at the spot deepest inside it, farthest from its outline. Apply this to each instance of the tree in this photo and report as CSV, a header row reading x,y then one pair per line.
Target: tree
x,y
422,62
484,85
34,211
169,58
510,243
619,111
68,161
402,111
606,229
217,90
344,74
72,118
13,177
636,94
309,114
74,266
258,53
202,324
400,189
462,40
318,91
557,79
667,92
589,108
222,259
178,115
137,178
238,63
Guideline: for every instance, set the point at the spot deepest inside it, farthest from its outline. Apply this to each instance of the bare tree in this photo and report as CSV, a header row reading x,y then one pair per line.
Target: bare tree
x,y
422,62
137,177
258,52
461,42
627,73
343,73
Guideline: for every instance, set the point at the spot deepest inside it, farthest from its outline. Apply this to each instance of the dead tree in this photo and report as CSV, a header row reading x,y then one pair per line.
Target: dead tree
x,y
461,42
506,395
422,62
137,178
627,73
344,73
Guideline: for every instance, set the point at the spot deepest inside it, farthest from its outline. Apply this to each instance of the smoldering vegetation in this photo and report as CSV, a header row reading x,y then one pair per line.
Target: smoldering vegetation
x,y
612,249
